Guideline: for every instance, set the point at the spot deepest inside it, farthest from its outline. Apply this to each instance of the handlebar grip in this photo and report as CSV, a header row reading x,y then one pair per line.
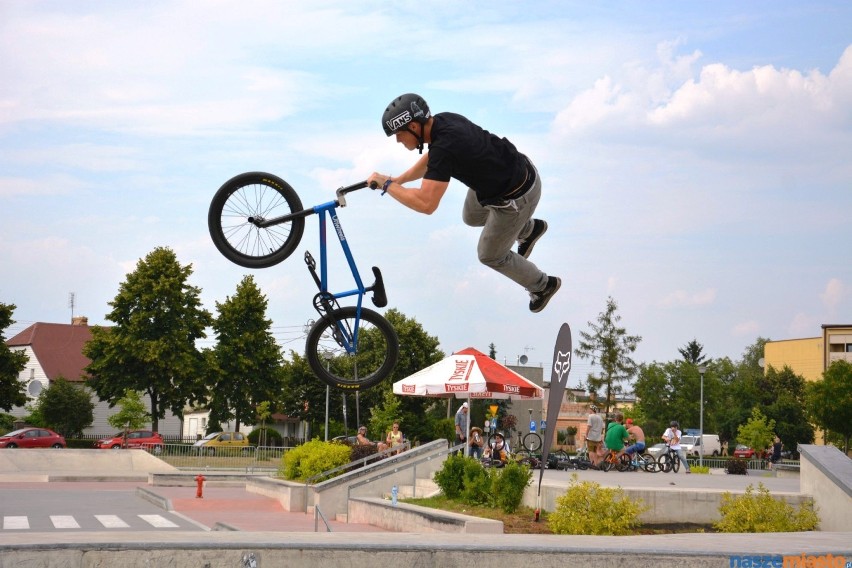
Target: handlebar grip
x,y
374,185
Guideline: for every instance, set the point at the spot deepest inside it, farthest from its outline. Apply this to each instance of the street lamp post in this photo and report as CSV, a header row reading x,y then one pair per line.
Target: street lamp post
x,y
701,370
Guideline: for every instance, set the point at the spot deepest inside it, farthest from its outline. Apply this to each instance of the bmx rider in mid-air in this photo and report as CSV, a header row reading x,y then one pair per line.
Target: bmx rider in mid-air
x,y
504,187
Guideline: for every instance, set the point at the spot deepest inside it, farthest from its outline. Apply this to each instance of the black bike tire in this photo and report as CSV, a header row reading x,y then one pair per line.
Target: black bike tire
x,y
239,240
675,463
665,463
624,463
650,464
532,442
329,371
605,464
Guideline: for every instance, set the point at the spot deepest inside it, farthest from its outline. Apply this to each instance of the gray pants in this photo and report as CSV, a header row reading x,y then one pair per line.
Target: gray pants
x,y
502,226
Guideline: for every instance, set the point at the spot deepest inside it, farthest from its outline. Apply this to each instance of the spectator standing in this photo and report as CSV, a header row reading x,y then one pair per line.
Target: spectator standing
x,y
462,422
594,434
477,442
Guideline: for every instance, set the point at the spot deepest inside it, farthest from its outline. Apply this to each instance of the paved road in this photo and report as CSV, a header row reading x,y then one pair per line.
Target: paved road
x,y
48,507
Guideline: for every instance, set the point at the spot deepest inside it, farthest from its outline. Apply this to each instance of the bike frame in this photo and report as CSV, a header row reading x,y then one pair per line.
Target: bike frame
x,y
328,211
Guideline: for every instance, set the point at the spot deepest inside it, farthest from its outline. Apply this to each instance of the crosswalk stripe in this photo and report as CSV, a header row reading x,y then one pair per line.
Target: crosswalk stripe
x,y
64,522
14,523
111,522
158,521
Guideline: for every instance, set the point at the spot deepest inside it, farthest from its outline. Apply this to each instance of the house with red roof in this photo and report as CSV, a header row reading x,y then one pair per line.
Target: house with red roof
x,y
55,350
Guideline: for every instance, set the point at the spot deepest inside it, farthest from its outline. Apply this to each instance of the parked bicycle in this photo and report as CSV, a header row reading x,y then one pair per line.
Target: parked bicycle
x,y
256,220
643,461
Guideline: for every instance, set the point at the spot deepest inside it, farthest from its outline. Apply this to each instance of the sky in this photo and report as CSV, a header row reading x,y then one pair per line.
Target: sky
x,y
695,158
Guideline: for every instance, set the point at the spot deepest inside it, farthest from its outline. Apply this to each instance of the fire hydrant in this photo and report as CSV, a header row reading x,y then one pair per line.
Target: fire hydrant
x,y
200,480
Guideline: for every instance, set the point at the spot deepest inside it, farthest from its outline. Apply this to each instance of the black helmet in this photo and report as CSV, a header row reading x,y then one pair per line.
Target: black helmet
x,y
402,110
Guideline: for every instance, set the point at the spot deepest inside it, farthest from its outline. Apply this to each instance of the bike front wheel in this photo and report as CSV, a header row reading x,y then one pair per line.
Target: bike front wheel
x,y
532,442
240,204
348,361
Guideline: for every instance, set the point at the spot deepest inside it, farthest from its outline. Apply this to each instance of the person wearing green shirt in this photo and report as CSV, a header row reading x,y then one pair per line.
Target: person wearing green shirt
x,y
616,433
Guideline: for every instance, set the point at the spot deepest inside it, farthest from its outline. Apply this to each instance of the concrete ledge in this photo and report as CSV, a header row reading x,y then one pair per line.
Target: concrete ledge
x,y
291,495
404,517
160,549
827,475
158,500
212,479
666,506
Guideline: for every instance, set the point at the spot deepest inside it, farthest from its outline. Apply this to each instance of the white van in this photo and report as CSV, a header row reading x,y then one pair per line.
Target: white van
x,y
711,445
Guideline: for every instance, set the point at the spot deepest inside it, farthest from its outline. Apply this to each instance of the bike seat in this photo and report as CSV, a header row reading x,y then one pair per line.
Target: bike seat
x,y
380,298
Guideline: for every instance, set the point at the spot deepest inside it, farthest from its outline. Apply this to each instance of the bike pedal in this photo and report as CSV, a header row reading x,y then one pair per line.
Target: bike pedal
x,y
380,298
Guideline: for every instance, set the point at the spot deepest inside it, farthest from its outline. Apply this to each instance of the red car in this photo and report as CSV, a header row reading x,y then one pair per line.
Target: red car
x,y
742,451
32,438
144,439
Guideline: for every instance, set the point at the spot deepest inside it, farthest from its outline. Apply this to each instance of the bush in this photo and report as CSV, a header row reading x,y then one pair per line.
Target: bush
x,y
509,485
359,452
450,478
466,480
588,508
700,469
477,483
756,513
736,466
273,437
316,456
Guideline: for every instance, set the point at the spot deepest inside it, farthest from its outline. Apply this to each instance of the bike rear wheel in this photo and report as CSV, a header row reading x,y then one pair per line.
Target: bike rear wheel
x,y
649,463
371,359
532,442
249,197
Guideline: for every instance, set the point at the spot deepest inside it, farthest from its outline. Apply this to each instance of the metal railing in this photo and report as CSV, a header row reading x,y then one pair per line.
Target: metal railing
x,y
317,516
753,464
249,459
402,467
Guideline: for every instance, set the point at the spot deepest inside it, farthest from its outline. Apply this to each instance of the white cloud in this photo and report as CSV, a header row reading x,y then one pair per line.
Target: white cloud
x,y
834,294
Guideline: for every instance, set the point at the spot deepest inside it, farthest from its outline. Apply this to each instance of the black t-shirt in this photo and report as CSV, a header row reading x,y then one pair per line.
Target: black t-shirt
x,y
460,149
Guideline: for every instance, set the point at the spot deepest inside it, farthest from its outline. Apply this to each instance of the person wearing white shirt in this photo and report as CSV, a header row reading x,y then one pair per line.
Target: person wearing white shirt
x,y
672,437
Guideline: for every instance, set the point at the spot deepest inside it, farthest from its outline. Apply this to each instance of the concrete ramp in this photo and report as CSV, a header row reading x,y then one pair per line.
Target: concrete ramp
x,y
56,465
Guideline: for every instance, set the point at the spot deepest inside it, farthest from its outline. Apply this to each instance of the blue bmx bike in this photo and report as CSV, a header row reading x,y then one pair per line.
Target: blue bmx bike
x,y
257,220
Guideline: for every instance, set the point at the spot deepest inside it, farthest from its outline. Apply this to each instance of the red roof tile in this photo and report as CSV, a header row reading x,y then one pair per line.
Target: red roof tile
x,y
58,348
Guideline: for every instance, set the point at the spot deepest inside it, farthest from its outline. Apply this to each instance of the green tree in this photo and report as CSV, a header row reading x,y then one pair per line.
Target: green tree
x,y
609,347
66,408
784,401
247,359
151,348
12,391
829,401
672,391
132,413
304,394
692,352
758,432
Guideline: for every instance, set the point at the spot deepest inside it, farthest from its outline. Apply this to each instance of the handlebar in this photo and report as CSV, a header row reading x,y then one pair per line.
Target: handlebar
x,y
341,191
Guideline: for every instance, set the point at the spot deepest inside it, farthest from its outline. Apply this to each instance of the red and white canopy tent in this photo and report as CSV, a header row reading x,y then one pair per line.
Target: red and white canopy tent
x,y
468,374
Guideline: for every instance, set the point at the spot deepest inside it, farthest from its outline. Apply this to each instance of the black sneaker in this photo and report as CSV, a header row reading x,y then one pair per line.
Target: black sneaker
x,y
525,246
538,300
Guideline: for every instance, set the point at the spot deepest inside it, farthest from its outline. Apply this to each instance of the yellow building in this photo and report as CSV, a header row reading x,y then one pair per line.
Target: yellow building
x,y
811,356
